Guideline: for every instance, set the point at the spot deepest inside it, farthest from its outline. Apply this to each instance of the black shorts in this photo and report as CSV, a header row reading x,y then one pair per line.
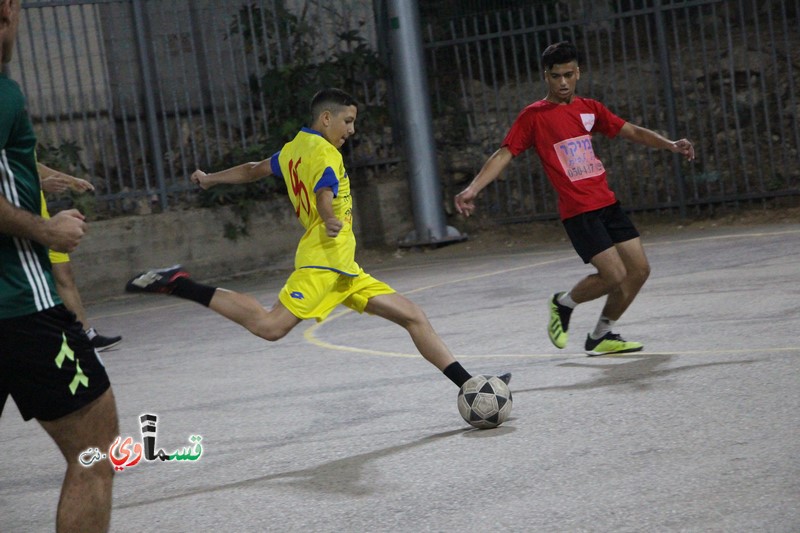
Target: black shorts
x,y
597,231
48,365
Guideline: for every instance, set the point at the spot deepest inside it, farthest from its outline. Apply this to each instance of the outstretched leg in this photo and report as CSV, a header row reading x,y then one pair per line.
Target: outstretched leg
x,y
248,312
238,307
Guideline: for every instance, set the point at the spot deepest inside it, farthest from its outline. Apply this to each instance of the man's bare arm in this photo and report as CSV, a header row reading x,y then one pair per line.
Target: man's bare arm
x,y
62,233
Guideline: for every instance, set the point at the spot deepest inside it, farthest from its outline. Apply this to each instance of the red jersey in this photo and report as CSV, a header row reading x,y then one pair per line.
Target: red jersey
x,y
562,135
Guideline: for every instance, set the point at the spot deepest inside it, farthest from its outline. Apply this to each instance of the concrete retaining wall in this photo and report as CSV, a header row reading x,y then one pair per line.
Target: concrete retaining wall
x,y
114,250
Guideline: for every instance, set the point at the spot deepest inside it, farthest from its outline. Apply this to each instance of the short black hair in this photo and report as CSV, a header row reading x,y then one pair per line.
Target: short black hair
x,y
558,54
330,99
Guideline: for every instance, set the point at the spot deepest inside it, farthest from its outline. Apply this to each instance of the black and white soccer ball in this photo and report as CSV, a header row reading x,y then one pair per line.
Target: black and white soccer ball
x,y
484,401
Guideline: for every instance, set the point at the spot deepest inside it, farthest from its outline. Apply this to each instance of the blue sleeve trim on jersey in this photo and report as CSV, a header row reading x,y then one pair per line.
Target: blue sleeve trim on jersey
x,y
333,270
276,167
328,179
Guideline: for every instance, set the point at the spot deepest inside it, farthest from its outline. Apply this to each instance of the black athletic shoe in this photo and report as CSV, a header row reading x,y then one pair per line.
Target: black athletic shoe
x,y
101,342
505,378
157,281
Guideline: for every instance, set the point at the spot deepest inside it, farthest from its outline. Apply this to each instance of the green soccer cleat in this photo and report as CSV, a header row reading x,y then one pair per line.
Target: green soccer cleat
x,y
559,322
610,343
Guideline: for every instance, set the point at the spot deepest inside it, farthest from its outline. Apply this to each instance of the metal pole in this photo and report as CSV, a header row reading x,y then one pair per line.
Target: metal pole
x,y
410,81
146,64
669,96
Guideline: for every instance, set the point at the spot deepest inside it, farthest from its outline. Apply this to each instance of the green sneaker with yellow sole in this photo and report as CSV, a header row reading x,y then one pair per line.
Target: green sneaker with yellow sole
x,y
559,322
610,343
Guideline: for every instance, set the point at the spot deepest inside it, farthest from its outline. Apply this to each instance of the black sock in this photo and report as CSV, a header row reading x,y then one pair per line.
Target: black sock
x,y
191,290
456,373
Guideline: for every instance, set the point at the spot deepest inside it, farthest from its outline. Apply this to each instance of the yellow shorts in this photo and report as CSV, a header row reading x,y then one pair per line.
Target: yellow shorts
x,y
315,292
55,257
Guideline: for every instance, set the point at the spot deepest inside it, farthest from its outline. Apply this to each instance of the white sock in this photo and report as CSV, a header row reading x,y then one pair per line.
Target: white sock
x,y
91,333
566,300
603,326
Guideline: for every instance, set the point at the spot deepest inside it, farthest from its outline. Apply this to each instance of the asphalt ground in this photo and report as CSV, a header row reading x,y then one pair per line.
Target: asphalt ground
x,y
342,427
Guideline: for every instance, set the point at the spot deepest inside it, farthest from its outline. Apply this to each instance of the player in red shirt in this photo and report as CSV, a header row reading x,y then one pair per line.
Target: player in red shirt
x,y
560,127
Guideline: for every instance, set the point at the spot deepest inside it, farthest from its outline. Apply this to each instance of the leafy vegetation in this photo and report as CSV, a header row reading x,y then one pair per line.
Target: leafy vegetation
x,y
294,69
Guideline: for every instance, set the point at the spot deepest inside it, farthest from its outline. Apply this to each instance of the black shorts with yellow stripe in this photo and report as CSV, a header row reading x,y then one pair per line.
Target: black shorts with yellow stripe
x,y
48,365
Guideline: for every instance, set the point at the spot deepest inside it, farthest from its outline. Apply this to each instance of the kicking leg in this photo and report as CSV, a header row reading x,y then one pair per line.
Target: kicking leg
x,y
400,310
85,502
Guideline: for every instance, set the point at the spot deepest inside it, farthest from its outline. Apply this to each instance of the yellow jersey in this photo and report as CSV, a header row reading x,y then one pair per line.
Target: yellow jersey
x,y
308,163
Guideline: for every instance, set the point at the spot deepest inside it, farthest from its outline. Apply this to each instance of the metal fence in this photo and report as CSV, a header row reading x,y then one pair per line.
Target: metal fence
x,y
723,73
139,93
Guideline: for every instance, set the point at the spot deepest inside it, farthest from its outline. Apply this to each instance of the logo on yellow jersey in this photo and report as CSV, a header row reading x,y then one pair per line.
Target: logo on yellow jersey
x,y
299,189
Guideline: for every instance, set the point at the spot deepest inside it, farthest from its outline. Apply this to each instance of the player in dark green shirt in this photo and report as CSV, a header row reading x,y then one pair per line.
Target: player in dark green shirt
x,y
47,363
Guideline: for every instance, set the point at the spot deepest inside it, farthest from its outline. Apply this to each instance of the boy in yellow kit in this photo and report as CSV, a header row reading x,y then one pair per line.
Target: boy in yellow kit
x,y
326,273
53,181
